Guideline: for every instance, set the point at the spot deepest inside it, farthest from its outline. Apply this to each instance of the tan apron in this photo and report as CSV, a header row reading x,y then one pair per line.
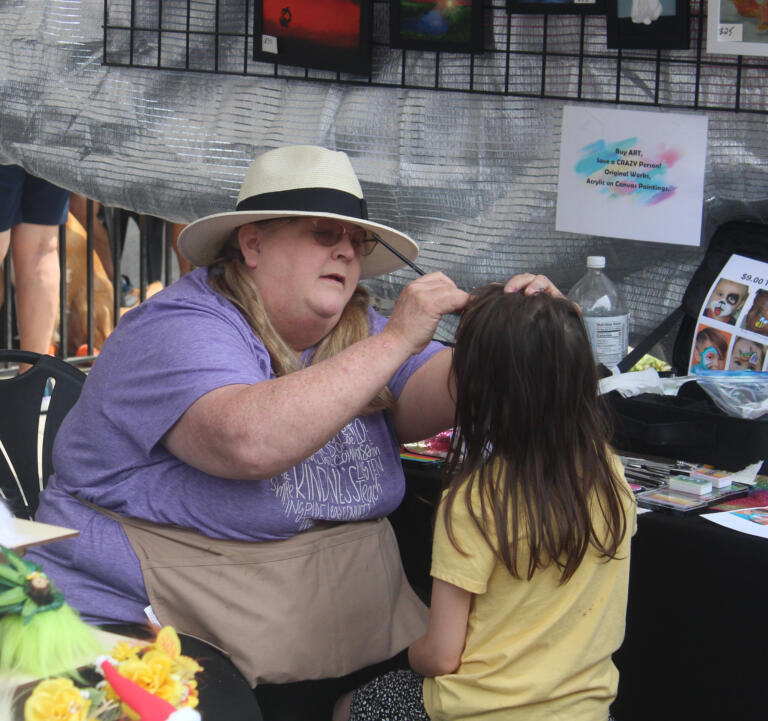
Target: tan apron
x,y
321,604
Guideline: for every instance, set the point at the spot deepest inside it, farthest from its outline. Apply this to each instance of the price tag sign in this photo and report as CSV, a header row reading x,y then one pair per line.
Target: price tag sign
x,y
732,328
730,32
269,44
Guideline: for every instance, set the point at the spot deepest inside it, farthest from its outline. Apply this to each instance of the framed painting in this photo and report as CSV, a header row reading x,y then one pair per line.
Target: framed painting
x,y
548,7
323,34
653,24
737,27
446,25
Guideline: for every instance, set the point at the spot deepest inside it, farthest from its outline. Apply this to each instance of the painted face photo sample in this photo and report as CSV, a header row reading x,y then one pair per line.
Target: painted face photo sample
x,y
756,515
756,319
726,301
746,355
709,350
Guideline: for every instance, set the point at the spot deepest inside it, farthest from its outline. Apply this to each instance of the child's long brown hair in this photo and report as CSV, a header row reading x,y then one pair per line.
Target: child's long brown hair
x,y
531,436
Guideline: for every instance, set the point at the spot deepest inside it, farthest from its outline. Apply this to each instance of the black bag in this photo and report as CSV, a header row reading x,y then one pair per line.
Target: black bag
x,y
690,426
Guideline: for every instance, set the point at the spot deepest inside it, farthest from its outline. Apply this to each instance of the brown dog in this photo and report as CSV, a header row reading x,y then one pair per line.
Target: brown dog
x,y
77,292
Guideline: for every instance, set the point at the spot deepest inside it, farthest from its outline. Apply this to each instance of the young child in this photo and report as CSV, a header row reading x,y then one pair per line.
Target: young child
x,y
757,317
531,548
726,301
709,350
746,355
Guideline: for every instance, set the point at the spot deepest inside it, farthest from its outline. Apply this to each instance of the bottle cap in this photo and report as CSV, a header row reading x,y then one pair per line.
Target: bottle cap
x,y
595,261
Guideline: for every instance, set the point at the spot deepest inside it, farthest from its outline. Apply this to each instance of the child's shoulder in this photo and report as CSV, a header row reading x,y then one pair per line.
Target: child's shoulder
x,y
471,498
471,482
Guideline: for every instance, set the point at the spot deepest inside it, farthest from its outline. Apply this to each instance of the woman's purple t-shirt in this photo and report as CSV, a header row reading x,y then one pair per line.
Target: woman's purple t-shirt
x,y
165,354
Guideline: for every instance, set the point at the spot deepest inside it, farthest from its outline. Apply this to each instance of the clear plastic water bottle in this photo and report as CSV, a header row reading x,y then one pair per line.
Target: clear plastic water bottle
x,y
604,312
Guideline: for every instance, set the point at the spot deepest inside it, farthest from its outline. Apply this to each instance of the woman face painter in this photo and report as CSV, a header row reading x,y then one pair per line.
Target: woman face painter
x,y
254,406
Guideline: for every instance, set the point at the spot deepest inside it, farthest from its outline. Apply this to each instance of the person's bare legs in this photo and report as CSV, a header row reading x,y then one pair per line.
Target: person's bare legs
x,y
36,271
342,708
5,241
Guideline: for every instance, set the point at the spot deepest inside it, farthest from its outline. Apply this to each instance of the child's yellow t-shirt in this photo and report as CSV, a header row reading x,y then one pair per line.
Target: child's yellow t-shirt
x,y
534,649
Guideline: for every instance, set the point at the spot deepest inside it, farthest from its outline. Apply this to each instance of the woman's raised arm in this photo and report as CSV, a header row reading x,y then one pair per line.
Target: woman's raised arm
x,y
257,431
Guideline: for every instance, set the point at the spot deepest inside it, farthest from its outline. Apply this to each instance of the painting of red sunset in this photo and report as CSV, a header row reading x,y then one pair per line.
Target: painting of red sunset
x,y
335,23
324,34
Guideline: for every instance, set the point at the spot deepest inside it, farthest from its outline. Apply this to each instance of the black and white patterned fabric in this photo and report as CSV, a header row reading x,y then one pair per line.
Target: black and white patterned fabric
x,y
396,696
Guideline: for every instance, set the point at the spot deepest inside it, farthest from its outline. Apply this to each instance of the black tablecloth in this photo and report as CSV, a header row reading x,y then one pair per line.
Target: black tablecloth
x,y
696,629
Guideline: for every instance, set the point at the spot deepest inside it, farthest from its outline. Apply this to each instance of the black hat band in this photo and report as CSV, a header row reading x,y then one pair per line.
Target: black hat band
x,y
308,200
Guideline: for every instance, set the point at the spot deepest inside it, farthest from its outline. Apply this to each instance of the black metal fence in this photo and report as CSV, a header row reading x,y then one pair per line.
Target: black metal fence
x,y
90,302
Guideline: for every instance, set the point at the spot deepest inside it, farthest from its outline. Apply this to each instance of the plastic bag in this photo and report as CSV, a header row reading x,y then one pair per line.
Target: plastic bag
x,y
742,394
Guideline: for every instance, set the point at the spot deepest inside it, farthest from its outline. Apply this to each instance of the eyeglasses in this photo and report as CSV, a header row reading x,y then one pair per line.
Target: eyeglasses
x,y
329,232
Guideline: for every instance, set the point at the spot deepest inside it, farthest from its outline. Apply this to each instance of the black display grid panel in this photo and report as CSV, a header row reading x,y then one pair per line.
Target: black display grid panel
x,y
561,57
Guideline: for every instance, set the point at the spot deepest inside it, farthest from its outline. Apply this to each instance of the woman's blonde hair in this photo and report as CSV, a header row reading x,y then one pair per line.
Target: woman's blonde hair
x,y
230,278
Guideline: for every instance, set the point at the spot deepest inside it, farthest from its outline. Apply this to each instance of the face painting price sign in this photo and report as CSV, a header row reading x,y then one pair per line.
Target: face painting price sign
x,y
732,329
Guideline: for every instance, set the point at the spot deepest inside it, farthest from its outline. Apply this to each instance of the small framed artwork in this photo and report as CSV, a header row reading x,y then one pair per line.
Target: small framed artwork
x,y
737,27
653,24
548,7
322,34
443,25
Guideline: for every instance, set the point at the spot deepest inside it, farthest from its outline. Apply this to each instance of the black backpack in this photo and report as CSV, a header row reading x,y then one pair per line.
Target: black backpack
x,y
690,426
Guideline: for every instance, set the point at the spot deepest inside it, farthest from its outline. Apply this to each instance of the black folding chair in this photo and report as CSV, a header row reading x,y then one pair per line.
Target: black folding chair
x,y
32,407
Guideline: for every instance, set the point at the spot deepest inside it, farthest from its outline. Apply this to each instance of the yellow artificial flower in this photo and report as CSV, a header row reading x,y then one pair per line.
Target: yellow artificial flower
x,y
160,668
168,640
124,650
153,672
136,670
158,660
190,695
188,666
56,699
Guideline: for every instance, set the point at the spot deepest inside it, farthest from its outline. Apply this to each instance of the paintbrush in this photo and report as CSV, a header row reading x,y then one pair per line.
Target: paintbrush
x,y
402,257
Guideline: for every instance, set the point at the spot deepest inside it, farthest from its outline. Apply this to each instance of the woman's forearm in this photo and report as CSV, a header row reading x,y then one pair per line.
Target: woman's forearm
x,y
257,431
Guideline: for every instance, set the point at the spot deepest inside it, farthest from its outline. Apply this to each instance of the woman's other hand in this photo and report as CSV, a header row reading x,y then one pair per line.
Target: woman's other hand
x,y
421,305
531,284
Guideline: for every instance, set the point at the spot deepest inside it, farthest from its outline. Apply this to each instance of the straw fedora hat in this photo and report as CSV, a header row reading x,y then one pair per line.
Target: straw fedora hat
x,y
301,181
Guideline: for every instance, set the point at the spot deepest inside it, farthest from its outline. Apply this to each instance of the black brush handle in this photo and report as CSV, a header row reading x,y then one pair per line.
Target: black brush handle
x,y
399,255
